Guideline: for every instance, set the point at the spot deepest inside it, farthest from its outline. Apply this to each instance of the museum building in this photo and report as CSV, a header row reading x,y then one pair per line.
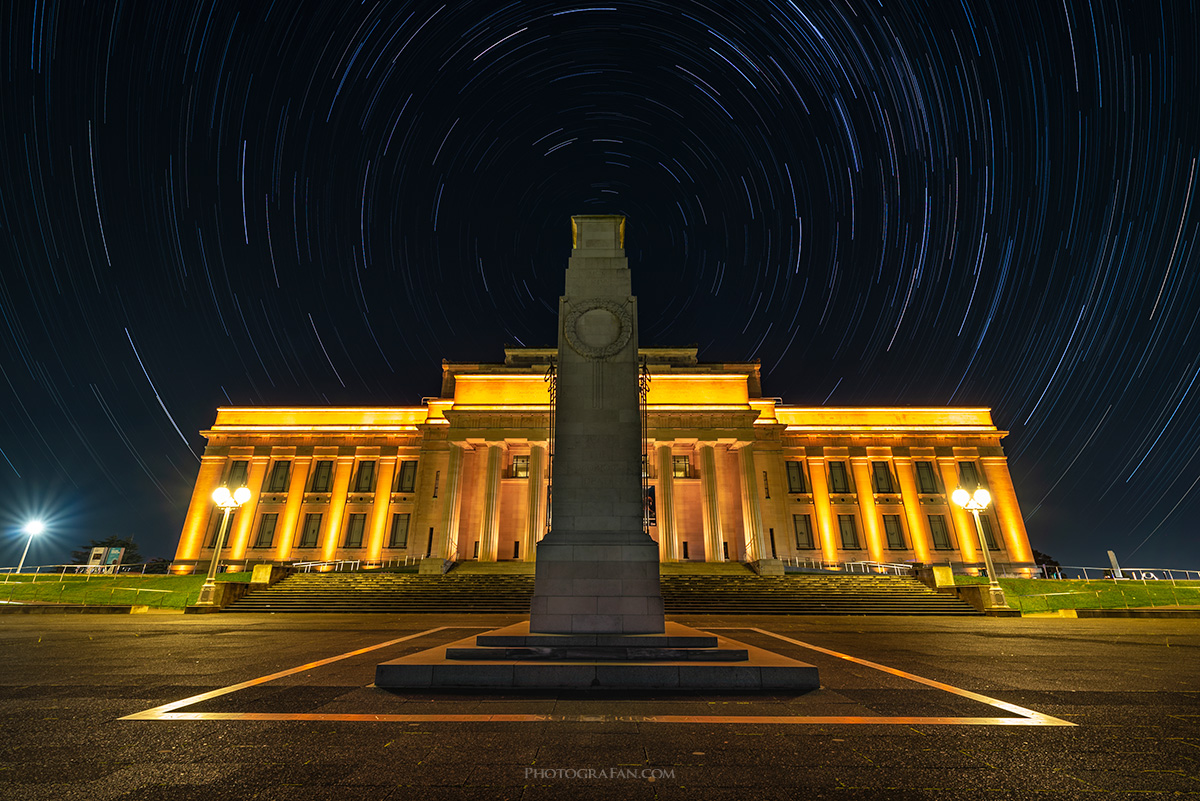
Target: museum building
x,y
468,475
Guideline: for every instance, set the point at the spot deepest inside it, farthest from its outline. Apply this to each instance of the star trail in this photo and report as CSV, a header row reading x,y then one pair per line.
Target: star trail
x,y
977,203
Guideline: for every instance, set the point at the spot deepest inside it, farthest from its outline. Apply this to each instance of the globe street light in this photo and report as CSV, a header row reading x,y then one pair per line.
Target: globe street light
x,y
227,501
32,528
975,504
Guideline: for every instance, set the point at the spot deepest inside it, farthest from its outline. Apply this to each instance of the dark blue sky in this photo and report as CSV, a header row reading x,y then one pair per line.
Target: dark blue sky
x,y
213,203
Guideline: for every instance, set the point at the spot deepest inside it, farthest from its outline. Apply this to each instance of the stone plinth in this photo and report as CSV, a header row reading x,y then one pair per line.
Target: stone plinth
x,y
704,662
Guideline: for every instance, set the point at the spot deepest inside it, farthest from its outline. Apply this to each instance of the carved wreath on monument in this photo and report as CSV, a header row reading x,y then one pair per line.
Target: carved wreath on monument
x,y
598,328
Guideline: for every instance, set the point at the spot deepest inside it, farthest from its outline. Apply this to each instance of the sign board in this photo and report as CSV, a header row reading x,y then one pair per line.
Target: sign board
x,y
114,556
96,557
649,505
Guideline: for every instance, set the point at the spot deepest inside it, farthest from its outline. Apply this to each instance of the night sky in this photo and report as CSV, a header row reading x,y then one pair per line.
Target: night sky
x,y
308,203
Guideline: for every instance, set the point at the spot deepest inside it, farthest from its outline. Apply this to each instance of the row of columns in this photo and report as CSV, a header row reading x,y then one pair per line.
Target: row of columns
x,y
445,544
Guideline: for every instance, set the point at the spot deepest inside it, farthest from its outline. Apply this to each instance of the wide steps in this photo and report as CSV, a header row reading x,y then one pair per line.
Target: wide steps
x,y
726,593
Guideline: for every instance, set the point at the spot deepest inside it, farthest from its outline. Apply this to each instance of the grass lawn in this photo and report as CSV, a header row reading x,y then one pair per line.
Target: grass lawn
x,y
165,592
1048,595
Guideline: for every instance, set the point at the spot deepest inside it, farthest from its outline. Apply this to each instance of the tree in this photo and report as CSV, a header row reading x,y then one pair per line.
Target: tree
x,y
1044,559
132,555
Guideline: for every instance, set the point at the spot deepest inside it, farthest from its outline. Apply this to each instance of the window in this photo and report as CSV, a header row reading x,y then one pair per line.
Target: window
x,y
311,531
926,479
365,482
986,522
520,466
354,530
279,476
685,554
939,532
680,466
882,476
237,474
766,486
795,473
849,532
895,534
216,529
839,480
437,480
516,549
804,533
266,531
407,480
322,476
399,537
969,476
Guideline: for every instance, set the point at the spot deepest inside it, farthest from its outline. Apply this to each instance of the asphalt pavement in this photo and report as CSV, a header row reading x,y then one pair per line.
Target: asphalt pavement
x,y
926,708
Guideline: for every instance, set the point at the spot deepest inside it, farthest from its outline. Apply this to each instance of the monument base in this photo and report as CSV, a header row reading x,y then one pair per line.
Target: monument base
x,y
681,658
597,582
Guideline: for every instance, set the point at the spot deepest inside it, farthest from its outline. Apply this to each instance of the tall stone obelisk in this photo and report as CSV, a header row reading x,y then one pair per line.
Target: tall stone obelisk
x,y
597,569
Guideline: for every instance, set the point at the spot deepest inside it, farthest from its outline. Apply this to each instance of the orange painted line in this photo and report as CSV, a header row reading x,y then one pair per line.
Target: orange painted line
x,y
157,712
725,719
1028,717
1037,717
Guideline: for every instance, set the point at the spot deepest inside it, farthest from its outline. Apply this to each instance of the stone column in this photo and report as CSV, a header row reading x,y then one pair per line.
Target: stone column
x,y
821,508
379,509
757,552
1004,504
713,537
337,504
918,525
286,530
866,504
667,535
445,541
200,508
242,528
535,524
489,525
961,519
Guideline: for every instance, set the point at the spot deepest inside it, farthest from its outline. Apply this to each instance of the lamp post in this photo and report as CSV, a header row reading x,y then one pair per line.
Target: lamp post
x,y
975,503
32,528
227,501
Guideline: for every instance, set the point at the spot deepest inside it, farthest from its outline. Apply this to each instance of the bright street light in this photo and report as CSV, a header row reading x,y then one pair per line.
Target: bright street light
x,y
228,502
975,504
32,528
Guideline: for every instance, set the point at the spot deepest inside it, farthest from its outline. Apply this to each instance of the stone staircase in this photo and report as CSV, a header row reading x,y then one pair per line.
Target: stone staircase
x,y
726,592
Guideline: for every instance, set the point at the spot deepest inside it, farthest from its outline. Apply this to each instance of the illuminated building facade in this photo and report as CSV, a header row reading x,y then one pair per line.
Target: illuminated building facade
x,y
466,475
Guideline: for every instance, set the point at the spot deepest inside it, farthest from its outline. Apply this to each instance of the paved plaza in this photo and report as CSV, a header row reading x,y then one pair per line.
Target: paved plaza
x,y
282,707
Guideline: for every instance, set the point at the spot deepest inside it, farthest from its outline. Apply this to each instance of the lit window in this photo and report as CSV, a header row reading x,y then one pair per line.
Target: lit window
x,y
237,474
926,479
849,532
354,530
322,476
399,538
839,479
520,466
279,476
311,531
365,482
986,522
407,481
804,534
266,530
680,466
939,532
795,476
882,476
970,477
895,534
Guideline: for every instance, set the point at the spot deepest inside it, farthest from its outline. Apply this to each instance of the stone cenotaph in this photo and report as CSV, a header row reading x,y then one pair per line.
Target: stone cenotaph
x,y
596,619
